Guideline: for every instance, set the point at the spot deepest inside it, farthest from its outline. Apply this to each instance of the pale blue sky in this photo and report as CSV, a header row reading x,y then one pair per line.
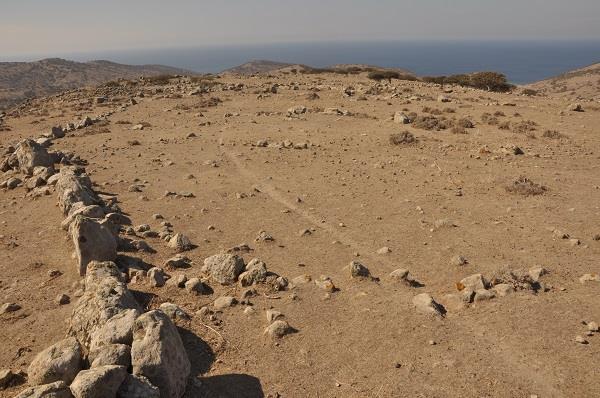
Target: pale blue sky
x,y
61,26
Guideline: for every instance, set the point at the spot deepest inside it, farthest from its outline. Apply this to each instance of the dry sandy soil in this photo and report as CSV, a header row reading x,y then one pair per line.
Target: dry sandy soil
x,y
427,201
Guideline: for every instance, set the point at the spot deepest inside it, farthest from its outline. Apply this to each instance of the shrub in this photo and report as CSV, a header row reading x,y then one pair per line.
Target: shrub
x,y
524,127
504,126
458,130
402,138
490,81
431,123
465,123
553,134
389,75
524,186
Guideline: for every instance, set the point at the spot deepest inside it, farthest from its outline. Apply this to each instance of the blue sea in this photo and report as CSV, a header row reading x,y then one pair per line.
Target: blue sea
x,y
521,61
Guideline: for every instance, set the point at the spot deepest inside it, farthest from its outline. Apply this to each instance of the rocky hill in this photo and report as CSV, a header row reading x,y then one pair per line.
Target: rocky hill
x,y
581,83
22,80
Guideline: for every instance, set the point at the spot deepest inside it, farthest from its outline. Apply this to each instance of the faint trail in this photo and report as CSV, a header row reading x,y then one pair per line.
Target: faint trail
x,y
476,332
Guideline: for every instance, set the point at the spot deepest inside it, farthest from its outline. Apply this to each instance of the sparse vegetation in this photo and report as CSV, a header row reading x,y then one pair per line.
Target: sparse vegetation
x,y
465,123
402,138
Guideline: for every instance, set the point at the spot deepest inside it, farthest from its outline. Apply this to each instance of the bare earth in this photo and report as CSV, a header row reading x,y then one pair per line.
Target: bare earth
x,y
428,201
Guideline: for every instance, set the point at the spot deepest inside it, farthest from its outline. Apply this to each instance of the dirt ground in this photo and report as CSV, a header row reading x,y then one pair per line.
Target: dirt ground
x,y
358,193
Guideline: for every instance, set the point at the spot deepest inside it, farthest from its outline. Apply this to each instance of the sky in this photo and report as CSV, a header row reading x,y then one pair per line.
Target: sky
x,y
48,27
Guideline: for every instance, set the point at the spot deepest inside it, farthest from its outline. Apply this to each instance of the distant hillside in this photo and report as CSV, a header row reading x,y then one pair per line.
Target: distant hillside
x,y
265,66
256,66
22,80
580,83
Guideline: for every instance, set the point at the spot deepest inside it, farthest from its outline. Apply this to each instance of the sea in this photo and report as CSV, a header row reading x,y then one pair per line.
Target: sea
x,y
521,61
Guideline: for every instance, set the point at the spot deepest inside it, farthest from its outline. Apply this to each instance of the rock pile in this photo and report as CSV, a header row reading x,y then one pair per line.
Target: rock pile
x,y
130,353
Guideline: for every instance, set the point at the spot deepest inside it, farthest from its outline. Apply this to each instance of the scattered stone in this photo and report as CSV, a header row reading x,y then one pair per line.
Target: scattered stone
x,y
536,273
6,378
384,250
474,282
403,275
358,270
9,307
174,311
325,283
224,268
503,289
263,236
156,277
224,302
458,261
255,272
580,340
63,299
483,295
179,261
180,243
273,315
13,182
195,285
425,304
278,329
583,279
400,117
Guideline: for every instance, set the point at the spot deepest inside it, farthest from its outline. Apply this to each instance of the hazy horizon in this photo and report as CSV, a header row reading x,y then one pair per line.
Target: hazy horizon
x,y
71,26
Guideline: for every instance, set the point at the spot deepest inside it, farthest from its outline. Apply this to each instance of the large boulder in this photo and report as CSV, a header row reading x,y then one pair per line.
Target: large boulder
x,y
224,268
158,354
100,382
74,186
106,296
31,154
59,362
93,242
58,389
